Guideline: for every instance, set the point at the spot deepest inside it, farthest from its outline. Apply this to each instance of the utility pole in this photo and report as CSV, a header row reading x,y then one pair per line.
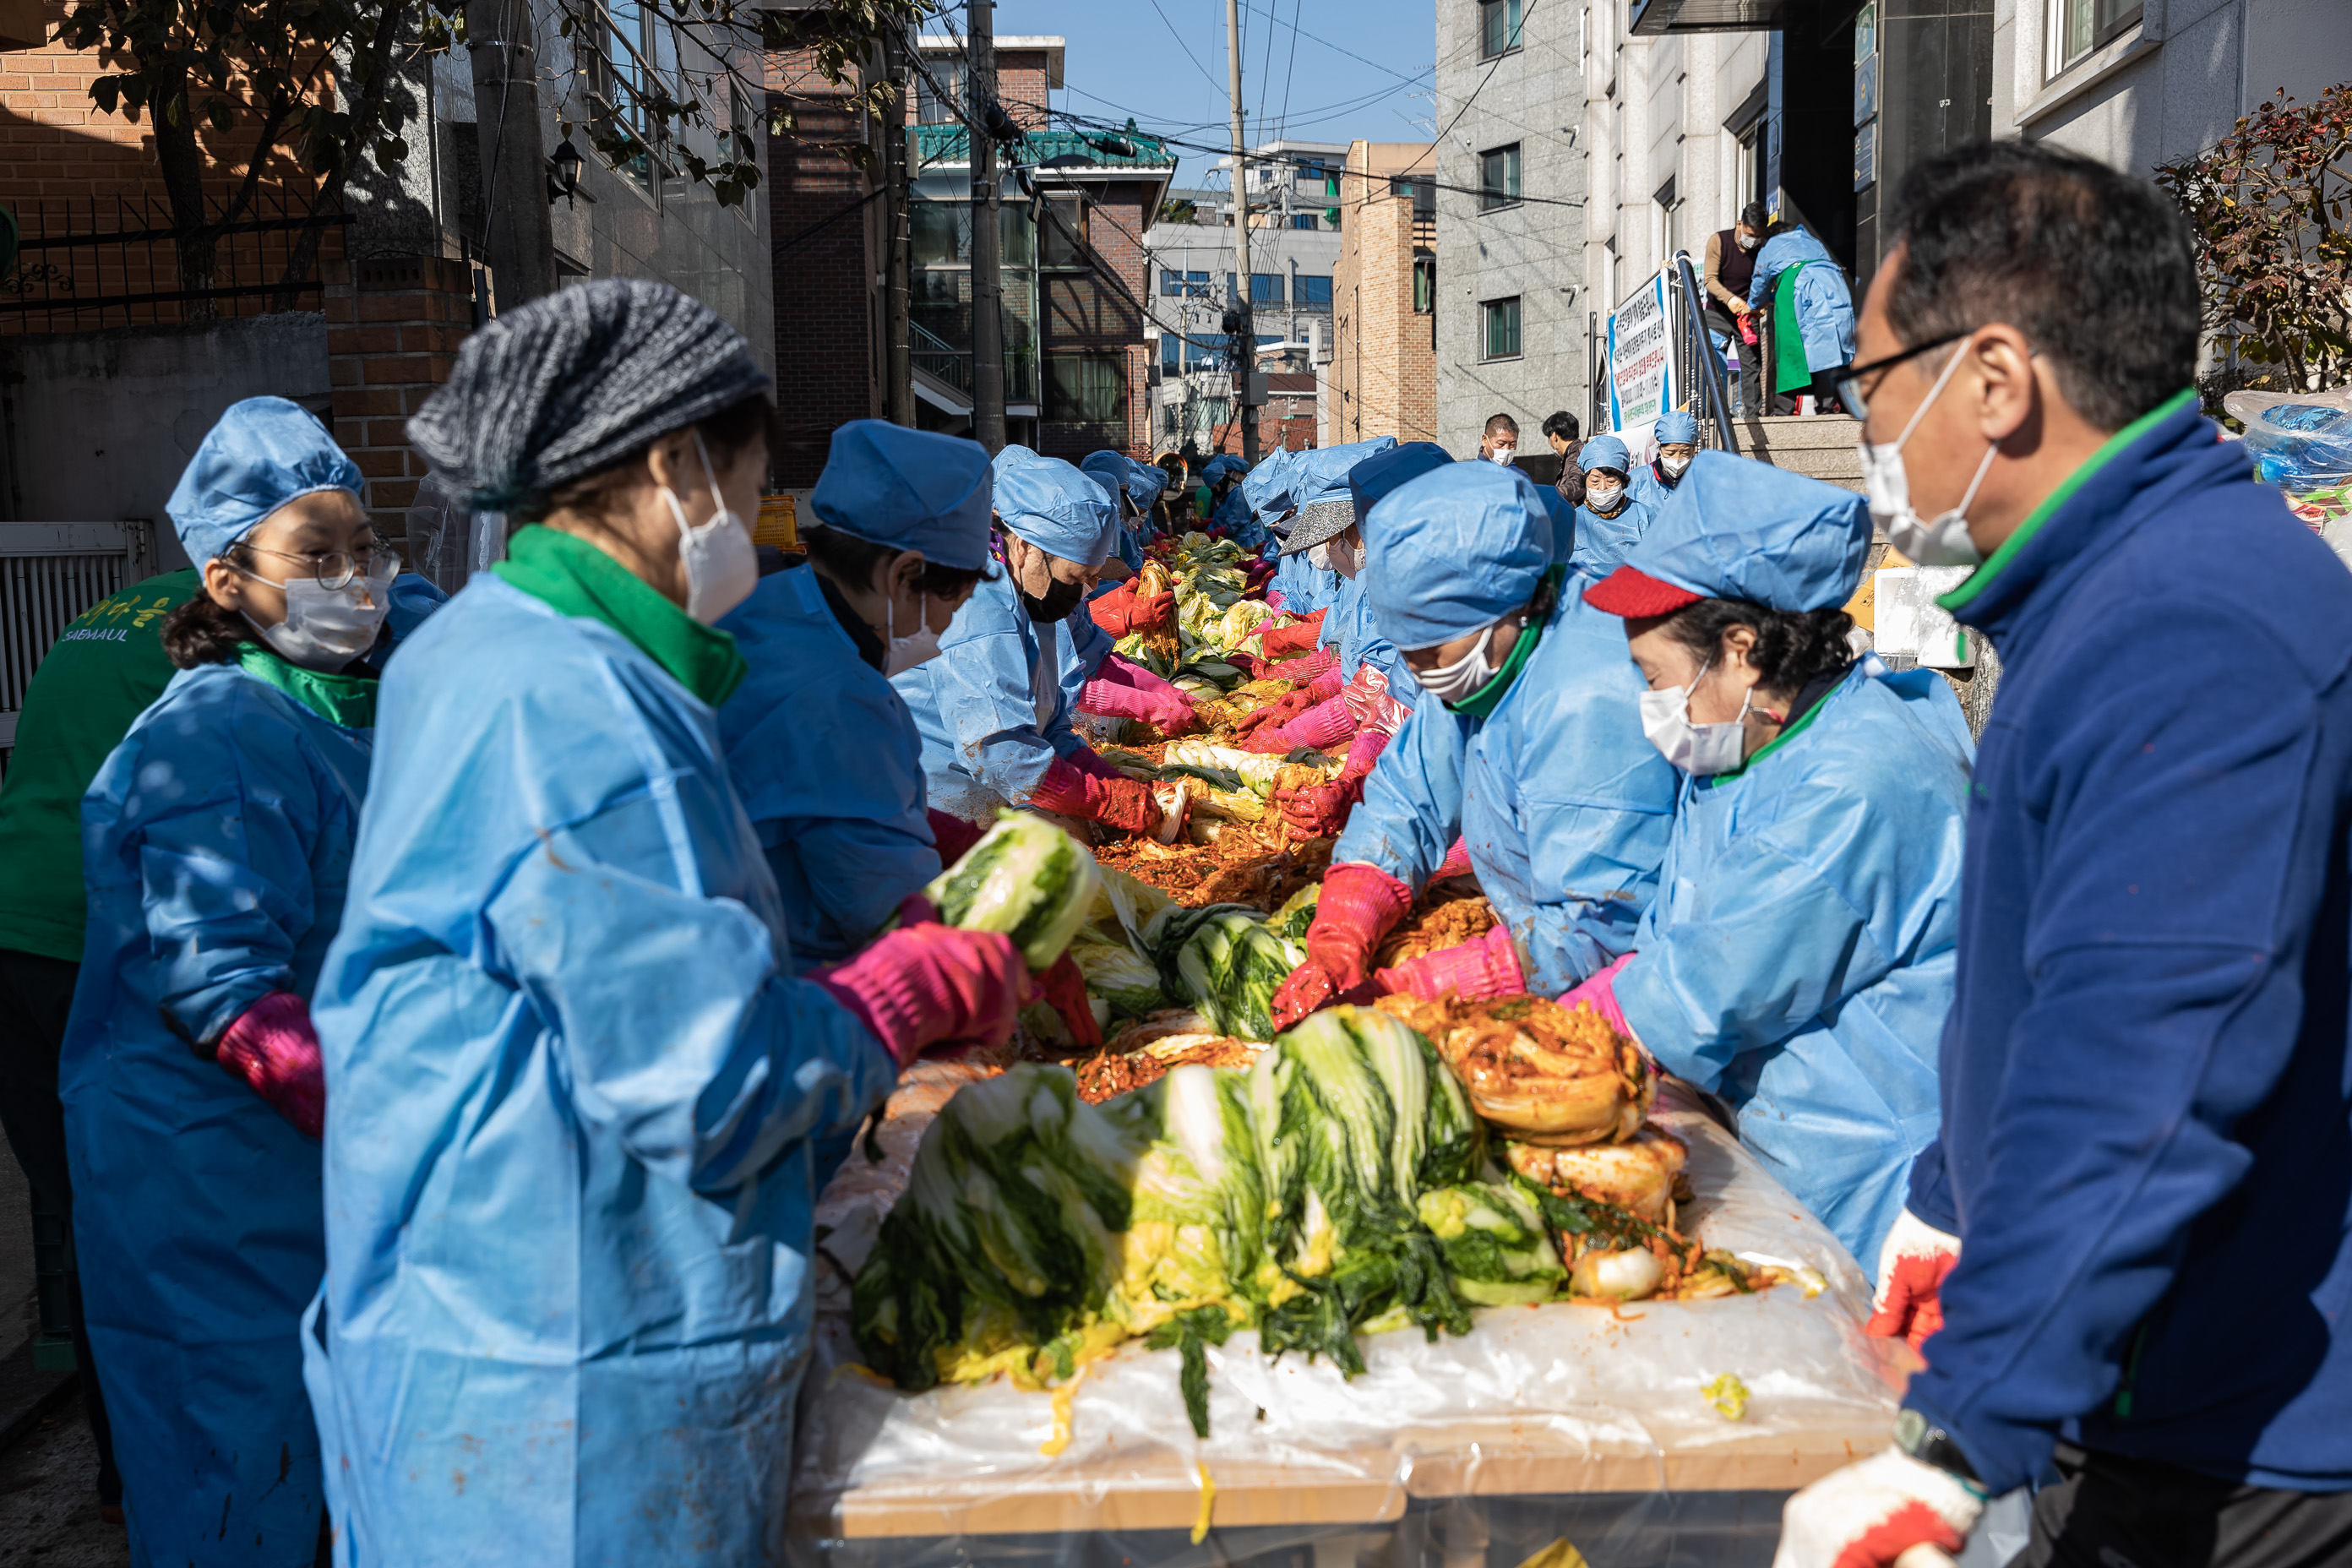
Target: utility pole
x,y
1244,338
519,242
987,257
898,362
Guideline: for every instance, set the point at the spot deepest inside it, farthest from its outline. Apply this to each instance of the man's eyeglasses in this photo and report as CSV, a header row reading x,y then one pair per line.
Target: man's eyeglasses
x,y
338,568
1847,383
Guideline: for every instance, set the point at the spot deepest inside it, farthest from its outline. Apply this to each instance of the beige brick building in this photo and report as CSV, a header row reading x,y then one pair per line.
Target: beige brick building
x,y
1383,375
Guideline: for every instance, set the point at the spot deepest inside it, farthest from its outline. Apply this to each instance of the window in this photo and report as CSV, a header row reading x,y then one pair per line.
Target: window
x,y
633,42
1499,28
1061,234
1313,292
1304,220
1266,287
1172,351
1668,232
1422,192
1502,328
1085,389
1424,283
2078,26
1498,178
930,109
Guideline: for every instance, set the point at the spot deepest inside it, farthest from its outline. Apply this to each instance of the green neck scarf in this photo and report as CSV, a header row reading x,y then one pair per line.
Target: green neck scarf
x,y
348,701
577,578
1482,703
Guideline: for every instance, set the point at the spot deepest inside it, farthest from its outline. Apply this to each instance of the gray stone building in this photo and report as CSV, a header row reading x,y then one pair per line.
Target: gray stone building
x,y
1511,298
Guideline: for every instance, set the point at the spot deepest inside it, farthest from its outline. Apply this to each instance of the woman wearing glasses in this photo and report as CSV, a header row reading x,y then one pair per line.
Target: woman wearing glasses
x,y
217,840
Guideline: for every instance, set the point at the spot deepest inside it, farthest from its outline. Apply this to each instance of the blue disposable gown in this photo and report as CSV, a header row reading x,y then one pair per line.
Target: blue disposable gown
x,y
1824,308
217,842
1352,628
1564,806
846,844
1649,488
1601,543
1798,959
1305,587
991,707
573,1091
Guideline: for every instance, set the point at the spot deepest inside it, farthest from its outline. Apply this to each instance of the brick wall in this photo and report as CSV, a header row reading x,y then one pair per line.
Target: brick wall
x,y
1383,376
392,332
827,309
1020,86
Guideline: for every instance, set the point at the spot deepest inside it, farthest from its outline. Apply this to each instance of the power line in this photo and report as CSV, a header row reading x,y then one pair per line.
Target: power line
x,y
1183,45
1291,69
1439,138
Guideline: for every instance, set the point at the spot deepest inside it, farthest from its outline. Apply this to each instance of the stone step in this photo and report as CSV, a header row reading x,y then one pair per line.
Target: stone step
x,y
1820,447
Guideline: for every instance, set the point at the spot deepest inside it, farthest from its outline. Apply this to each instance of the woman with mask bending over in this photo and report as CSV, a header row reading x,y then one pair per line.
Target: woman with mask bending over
x,y
217,841
1798,959
576,1089
900,541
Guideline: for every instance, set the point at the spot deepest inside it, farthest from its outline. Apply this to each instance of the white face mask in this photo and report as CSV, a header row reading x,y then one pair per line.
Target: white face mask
x,y
1674,466
1320,556
1748,242
899,653
1945,540
1603,498
1453,682
1343,557
326,628
722,566
1503,455
1699,750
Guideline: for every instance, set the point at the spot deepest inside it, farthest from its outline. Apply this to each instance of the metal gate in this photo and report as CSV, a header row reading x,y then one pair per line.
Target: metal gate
x,y
50,572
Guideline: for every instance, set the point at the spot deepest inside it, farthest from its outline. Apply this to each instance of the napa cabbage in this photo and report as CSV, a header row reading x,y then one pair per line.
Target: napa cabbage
x,y
1025,878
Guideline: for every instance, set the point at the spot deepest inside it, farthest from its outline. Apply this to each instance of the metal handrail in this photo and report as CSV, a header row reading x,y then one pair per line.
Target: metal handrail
x,y
1702,349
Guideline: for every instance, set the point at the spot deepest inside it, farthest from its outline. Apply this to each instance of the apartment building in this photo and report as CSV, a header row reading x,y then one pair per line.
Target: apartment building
x,y
1382,379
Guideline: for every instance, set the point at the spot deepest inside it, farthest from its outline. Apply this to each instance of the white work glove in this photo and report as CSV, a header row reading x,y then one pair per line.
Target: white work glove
x,y
1890,1510
1911,1268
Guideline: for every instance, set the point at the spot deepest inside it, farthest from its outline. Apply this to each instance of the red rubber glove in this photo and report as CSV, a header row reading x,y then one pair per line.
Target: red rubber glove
x,y
1358,905
1119,612
273,1047
1911,1264
1127,690
1601,992
1300,637
1310,666
1323,726
928,984
1320,811
1455,864
952,835
1484,966
1070,789
1868,1514
1063,987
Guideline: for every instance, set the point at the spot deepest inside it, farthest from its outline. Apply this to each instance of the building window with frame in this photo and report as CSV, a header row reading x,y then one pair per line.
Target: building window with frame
x,y
1086,388
930,109
1314,291
1172,283
1422,192
1266,288
1498,178
1499,28
1502,321
1062,233
2079,27
635,60
1424,283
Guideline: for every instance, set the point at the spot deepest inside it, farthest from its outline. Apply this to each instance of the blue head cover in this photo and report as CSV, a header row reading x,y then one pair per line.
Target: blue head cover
x,y
1391,466
1323,473
1268,487
1453,549
1675,425
1144,483
1057,509
265,452
1109,469
1220,465
910,489
1604,452
1739,529
1011,456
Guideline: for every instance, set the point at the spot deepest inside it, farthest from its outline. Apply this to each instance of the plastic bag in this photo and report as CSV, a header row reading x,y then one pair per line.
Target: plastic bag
x,y
2302,442
1433,1438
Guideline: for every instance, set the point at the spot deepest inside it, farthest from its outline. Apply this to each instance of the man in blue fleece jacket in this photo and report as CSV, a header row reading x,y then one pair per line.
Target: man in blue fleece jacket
x,y
2142,1186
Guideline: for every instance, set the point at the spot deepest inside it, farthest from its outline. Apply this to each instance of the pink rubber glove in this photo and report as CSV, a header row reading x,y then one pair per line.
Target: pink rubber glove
x,y
1070,789
952,836
1315,666
1298,637
1455,864
1601,992
1320,811
273,1047
1358,905
1273,600
1485,966
1127,690
1092,763
924,985
1323,726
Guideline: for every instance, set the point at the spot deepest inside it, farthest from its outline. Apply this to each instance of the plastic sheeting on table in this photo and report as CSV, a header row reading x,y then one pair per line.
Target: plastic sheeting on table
x,y
1541,1413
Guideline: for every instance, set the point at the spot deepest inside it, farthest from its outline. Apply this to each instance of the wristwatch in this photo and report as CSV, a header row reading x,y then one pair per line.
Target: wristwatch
x,y
1931,1445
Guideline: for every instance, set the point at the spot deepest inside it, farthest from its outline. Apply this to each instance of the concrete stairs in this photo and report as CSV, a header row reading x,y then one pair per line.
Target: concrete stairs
x,y
1818,444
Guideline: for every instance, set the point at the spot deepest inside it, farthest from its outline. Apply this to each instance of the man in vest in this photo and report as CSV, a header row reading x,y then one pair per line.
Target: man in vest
x,y
1730,267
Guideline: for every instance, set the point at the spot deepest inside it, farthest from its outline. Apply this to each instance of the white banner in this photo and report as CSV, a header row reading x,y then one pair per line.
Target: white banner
x,y
1640,365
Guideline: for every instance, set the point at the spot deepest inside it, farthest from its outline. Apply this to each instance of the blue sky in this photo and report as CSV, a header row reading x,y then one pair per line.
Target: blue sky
x,y
1343,69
